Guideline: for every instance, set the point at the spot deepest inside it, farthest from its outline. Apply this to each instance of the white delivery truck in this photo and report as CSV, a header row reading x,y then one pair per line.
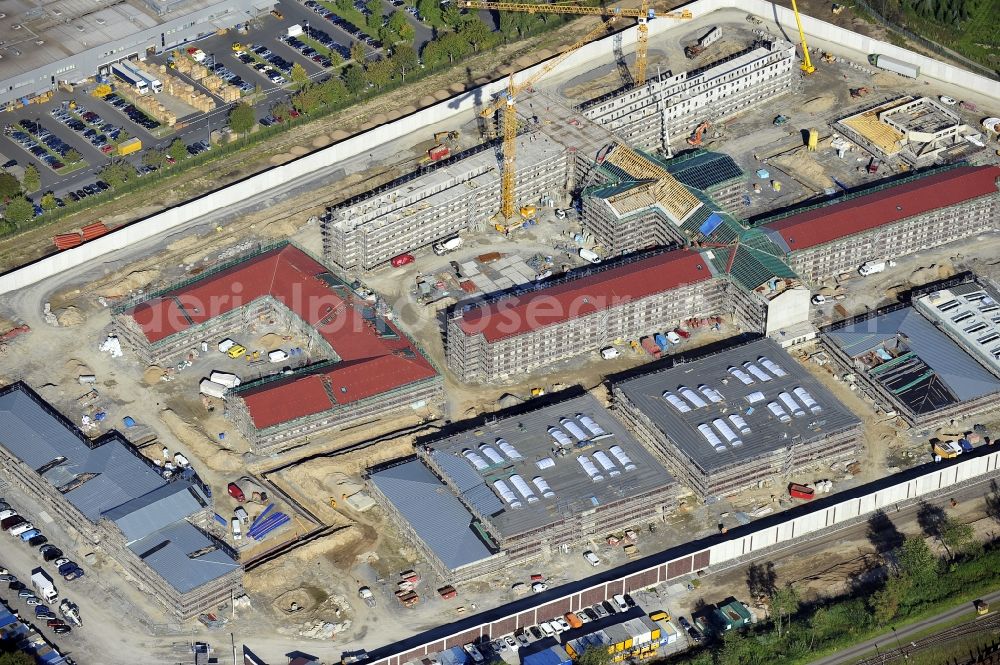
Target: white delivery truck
x,y
590,255
294,30
873,267
43,585
227,379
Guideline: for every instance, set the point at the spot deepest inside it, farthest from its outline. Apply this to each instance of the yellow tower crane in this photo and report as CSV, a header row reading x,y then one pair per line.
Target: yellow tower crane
x,y
644,14
505,104
807,65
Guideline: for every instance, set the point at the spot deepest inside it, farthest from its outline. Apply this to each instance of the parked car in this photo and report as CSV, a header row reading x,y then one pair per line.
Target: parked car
x,y
60,630
400,261
539,587
592,558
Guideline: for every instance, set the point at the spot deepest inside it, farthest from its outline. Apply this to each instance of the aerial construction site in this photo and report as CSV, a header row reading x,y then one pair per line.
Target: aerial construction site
x,y
690,269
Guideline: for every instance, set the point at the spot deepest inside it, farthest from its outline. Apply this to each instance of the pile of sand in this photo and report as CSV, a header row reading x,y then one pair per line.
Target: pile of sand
x,y
320,141
339,135
70,316
426,100
933,272
280,158
819,104
76,367
442,95
270,341
456,87
299,150
136,279
153,375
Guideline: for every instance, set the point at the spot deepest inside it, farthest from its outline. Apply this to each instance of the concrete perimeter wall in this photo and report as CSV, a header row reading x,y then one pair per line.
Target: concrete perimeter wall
x,y
281,175
673,567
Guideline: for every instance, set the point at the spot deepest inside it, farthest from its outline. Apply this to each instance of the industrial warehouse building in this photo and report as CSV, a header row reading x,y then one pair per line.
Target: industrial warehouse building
x,y
670,106
736,418
67,42
522,485
930,360
106,494
922,211
368,367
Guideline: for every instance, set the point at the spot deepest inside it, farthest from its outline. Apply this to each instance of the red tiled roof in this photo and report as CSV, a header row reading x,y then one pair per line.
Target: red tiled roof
x,y
371,363
823,225
633,281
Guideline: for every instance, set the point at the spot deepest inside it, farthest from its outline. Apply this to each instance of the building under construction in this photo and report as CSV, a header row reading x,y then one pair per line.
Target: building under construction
x,y
929,360
105,494
522,485
666,109
736,418
463,191
363,367
919,212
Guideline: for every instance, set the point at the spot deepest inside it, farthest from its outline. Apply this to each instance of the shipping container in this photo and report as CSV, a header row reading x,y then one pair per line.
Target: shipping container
x,y
650,346
212,389
438,152
128,147
710,37
801,491
294,30
894,65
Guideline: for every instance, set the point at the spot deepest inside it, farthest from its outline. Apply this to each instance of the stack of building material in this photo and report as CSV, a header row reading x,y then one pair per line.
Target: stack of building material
x,y
94,230
67,240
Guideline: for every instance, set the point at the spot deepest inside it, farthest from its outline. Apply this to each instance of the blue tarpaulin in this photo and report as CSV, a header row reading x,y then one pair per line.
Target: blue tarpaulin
x,y
552,656
710,224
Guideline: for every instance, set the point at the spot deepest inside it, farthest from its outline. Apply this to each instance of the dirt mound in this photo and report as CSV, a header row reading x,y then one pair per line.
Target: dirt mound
x,y
320,141
299,150
136,279
456,87
522,62
296,600
805,169
199,444
442,95
339,135
153,375
923,275
378,118
270,341
426,100
819,104
70,316
75,368
406,110
280,158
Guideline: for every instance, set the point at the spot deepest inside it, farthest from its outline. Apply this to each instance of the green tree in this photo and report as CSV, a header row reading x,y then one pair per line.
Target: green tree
x,y
404,60
454,46
477,33
299,74
354,79
242,118
345,6
508,25
117,173
916,562
155,158
430,11
784,604
12,655
594,655
31,180
358,53
307,100
73,155
332,91
434,55
379,72
374,18
282,110
452,16
19,210
397,22
48,201
885,602
9,186
177,150
956,536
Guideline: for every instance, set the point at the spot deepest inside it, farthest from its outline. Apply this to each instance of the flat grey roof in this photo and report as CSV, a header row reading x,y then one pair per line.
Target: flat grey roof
x,y
184,556
970,313
437,516
474,461
715,376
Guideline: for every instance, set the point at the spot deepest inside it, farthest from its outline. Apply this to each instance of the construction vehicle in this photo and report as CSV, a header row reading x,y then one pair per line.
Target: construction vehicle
x,y
828,58
441,137
365,594
807,65
693,51
644,14
857,93
695,138
505,104
873,165
780,120
753,19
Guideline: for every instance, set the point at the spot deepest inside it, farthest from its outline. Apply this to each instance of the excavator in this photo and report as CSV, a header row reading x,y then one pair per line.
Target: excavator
x,y
695,138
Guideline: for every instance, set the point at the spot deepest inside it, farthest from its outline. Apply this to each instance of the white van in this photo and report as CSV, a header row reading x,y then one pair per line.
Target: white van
x,y
609,352
620,603
237,530
673,337
547,629
225,345
21,528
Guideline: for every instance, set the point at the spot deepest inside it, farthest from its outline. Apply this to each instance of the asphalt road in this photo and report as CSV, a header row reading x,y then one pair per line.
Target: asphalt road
x,y
900,639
